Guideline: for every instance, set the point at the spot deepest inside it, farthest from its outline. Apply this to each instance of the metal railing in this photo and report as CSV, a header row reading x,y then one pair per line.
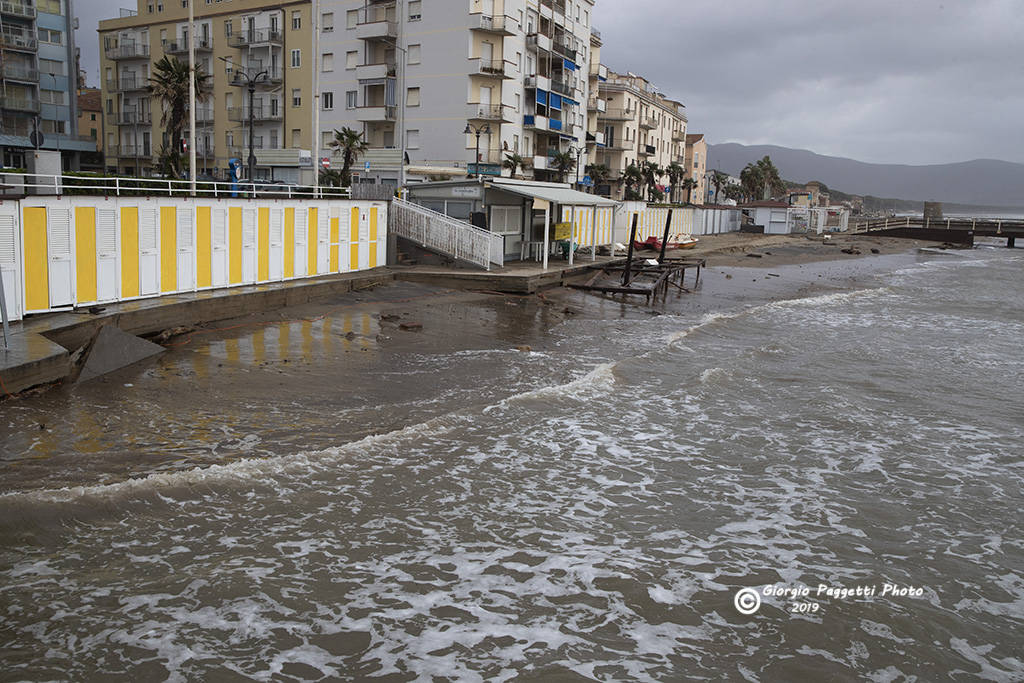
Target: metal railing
x,y
129,51
494,67
487,112
19,72
259,113
445,234
19,40
37,183
247,38
273,76
18,9
19,103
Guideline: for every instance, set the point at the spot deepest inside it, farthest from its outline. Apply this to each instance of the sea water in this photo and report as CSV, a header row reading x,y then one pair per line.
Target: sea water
x,y
600,518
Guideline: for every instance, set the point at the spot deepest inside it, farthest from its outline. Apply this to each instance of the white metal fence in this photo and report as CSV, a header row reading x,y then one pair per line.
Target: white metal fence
x,y
446,235
29,184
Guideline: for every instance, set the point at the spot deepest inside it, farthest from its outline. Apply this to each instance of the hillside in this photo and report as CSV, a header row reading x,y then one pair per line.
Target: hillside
x,y
985,182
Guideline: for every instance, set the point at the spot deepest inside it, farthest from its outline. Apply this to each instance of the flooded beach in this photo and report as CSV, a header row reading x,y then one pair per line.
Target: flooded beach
x,y
534,488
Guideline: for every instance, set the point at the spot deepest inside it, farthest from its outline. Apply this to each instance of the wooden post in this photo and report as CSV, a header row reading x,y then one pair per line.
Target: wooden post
x,y
547,230
572,232
626,275
664,239
593,233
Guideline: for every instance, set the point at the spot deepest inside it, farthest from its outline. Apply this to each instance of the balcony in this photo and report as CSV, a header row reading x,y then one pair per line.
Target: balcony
x,y
618,146
129,51
17,9
128,83
618,115
491,69
13,71
25,41
180,47
263,37
259,114
561,87
204,152
134,118
647,150
203,115
376,72
564,48
537,82
499,25
378,113
597,104
679,136
16,103
648,122
489,112
599,70
537,41
272,77
595,33
131,151
375,26
598,139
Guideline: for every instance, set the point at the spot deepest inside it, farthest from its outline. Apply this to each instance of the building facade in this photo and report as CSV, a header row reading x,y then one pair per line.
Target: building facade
x,y
639,125
259,58
39,81
450,87
696,165
90,127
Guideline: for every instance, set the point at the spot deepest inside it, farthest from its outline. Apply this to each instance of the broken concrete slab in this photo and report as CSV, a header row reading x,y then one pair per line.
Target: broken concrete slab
x,y
114,349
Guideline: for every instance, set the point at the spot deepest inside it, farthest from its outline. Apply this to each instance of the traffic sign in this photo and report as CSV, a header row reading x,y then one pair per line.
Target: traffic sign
x,y
326,162
366,167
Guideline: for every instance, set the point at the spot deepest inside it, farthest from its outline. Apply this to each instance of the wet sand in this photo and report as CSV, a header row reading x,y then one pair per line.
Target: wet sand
x,y
316,376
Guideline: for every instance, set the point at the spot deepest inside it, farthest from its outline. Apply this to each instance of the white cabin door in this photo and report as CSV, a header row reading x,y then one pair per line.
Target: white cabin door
x,y
58,248
149,253
186,250
107,279
323,238
248,246
9,261
276,244
219,248
301,255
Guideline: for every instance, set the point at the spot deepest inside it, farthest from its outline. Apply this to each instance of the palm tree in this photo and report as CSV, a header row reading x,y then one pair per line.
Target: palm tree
x,y
718,179
770,176
651,171
512,162
351,144
599,174
633,178
563,163
688,185
169,84
675,173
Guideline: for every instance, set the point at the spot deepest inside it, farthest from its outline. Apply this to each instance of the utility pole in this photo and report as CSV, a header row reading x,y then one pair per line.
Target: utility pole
x,y
316,98
192,97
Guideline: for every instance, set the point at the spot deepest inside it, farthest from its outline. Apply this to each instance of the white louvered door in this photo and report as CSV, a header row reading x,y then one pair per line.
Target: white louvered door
x,y
248,246
276,243
106,255
59,250
301,256
149,253
219,252
9,260
186,250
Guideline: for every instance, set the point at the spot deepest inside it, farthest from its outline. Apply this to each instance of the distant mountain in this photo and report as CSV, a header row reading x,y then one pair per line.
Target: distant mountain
x,y
985,182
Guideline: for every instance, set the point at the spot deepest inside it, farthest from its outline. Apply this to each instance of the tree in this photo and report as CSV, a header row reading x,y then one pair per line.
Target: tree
x,y
633,178
675,174
651,171
599,174
169,84
563,163
719,179
733,192
330,178
688,185
351,144
512,162
761,179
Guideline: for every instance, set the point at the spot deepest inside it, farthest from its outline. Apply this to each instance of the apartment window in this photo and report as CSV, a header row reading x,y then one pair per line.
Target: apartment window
x,y
51,66
412,97
519,61
515,144
327,99
50,6
415,10
159,7
414,54
412,139
327,61
327,22
51,37
519,103
51,96
351,59
227,30
229,137
296,59
92,133
296,97
149,8
110,106
273,138
92,117
184,5
326,138
352,18
351,99
586,17
296,20
296,137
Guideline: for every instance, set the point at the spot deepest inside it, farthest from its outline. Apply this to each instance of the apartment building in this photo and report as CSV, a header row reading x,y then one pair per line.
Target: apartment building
x,y
259,56
596,106
38,81
697,165
90,126
431,83
639,124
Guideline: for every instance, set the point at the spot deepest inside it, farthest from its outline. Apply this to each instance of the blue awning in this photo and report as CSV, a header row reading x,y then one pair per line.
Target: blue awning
x,y
556,101
542,96
569,64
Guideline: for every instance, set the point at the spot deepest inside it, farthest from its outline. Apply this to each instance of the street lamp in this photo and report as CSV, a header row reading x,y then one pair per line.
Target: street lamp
x,y
250,82
579,155
473,130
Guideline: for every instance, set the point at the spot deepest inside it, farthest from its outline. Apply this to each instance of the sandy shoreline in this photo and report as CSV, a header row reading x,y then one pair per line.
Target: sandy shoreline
x,y
316,376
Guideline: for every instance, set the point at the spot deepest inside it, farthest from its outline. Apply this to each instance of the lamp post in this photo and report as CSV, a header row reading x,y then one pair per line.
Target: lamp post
x,y
250,83
579,155
478,131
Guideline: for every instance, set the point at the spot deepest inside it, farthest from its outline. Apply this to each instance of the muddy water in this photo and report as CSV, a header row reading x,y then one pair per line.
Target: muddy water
x,y
440,505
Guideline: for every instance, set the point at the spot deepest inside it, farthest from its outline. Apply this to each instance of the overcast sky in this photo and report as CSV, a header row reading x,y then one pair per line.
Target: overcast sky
x,y
906,81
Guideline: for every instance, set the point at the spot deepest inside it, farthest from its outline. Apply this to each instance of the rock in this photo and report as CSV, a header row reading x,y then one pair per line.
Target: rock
x,y
753,256
524,348
851,250
875,251
173,332
568,311
410,327
350,335
389,317
767,253
728,277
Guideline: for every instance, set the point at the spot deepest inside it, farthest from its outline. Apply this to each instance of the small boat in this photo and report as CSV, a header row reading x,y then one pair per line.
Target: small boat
x,y
654,244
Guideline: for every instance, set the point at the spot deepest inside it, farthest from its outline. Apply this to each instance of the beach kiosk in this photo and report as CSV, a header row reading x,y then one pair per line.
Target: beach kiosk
x,y
532,217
